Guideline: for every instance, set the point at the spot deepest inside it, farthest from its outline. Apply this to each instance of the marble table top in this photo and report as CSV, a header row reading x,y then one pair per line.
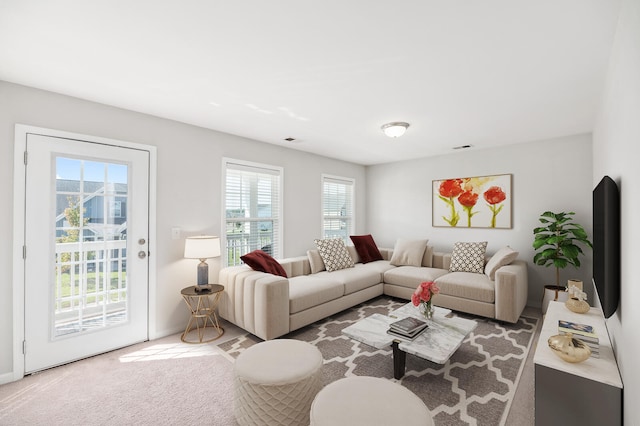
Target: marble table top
x,y
436,343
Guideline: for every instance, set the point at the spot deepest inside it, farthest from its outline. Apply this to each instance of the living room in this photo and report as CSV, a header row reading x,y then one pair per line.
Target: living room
x,y
393,200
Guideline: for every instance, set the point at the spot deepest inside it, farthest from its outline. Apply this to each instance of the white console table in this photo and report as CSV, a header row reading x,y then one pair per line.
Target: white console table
x,y
585,393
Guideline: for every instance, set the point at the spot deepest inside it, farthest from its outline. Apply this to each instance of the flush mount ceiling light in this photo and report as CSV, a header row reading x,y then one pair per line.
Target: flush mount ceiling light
x,y
395,129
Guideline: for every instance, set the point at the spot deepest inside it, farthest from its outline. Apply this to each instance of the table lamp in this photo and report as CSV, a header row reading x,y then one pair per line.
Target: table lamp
x,y
202,247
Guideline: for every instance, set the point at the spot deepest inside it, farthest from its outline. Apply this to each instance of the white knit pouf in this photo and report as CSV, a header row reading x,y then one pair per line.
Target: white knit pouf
x,y
275,383
368,401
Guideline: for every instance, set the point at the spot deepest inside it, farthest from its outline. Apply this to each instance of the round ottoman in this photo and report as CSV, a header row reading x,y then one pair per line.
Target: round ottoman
x,y
275,383
368,401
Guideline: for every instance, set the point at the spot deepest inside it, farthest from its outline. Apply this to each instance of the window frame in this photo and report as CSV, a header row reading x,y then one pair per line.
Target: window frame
x,y
235,164
328,178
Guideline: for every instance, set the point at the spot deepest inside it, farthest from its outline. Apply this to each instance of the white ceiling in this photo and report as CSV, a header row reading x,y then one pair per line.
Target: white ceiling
x,y
328,73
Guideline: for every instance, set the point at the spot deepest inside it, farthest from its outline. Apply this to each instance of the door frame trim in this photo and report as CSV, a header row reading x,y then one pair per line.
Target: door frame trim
x,y
19,211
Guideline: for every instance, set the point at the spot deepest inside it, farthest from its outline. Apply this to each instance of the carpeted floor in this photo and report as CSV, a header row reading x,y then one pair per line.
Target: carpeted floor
x,y
164,382
476,386
167,382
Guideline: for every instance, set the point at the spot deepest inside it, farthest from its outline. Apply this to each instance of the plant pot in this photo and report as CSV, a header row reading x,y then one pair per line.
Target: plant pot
x,y
555,293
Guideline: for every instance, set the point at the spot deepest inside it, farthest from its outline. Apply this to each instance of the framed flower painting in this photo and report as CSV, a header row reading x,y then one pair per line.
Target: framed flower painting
x,y
472,202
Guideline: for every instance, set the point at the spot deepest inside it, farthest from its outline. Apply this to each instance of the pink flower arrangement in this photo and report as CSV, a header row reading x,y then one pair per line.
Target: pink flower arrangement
x,y
423,295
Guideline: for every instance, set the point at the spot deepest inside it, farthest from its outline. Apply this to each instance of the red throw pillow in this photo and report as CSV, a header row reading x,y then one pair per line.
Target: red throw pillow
x,y
259,260
366,248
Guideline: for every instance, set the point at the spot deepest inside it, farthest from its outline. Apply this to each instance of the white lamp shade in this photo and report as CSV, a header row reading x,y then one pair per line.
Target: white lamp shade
x,y
201,247
396,129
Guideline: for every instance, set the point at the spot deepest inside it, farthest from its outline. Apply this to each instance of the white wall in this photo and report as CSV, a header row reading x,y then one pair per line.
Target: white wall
x,y
188,182
615,141
547,175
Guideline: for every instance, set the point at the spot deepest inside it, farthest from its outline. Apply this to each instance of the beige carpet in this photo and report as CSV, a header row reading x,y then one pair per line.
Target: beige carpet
x,y
163,382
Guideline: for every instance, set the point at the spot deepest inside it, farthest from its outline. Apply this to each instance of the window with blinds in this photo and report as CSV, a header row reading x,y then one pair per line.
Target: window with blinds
x,y
337,207
252,209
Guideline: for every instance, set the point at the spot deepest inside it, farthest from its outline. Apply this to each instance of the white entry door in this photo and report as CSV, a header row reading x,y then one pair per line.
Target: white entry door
x,y
86,247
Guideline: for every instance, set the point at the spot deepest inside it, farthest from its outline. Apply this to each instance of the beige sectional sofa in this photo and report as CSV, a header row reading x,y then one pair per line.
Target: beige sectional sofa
x,y
270,306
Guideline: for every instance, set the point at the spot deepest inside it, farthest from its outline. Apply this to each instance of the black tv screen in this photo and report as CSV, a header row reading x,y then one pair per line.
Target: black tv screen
x,y
606,244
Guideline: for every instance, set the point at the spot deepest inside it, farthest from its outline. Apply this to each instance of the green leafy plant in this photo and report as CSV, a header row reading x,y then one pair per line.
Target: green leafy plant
x,y
556,241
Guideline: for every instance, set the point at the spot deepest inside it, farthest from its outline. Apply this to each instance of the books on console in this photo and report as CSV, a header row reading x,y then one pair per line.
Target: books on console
x,y
408,327
584,332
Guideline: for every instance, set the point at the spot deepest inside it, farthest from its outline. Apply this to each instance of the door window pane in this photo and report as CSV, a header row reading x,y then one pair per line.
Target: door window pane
x,y
90,257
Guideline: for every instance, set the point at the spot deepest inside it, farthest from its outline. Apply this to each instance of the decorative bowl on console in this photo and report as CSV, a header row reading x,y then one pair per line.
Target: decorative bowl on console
x,y
569,348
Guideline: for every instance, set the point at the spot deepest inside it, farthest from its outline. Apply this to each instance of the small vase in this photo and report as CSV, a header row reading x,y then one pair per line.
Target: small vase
x,y
427,310
576,305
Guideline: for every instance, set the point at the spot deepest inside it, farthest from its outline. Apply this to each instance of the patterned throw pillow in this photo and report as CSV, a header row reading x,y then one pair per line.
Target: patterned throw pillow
x,y
334,254
468,257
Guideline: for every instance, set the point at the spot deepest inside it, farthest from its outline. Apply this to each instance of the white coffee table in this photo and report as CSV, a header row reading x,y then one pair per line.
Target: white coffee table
x,y
436,343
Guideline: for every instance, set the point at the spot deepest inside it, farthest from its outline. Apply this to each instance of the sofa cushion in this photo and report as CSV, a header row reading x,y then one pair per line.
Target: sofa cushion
x,y
467,285
366,248
408,252
334,254
315,261
468,257
259,260
503,257
412,276
427,259
354,279
354,254
308,291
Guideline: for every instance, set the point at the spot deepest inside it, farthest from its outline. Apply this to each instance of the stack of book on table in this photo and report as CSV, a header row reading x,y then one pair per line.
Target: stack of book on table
x,y
583,332
407,328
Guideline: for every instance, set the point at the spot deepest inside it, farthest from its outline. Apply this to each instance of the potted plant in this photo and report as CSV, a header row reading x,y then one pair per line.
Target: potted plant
x,y
556,244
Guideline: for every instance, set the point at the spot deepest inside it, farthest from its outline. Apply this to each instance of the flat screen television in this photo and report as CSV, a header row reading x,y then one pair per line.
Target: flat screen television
x,y
606,244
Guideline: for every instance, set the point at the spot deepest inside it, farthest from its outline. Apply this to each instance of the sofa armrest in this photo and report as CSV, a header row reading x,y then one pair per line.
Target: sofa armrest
x,y
255,301
511,290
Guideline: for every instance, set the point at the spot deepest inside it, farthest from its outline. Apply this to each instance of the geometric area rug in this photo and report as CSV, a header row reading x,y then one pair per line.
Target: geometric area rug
x,y
475,387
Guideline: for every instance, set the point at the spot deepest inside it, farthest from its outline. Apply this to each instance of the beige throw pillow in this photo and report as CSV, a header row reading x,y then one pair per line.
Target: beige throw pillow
x,y
427,259
468,257
408,252
503,257
315,261
334,254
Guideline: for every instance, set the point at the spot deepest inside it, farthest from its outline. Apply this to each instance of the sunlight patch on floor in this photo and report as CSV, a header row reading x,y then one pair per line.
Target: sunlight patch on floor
x,y
171,347
170,351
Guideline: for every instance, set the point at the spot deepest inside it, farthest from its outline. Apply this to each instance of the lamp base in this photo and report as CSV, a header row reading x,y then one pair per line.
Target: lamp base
x,y
203,288
203,273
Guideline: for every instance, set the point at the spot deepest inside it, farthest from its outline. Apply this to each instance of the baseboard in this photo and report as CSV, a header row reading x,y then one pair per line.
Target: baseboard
x,y
159,334
7,378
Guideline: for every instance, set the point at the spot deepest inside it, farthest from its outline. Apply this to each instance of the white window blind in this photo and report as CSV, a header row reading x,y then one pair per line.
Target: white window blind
x,y
252,209
337,207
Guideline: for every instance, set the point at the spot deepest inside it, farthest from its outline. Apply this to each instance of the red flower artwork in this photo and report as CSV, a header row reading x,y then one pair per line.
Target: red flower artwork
x,y
449,189
493,196
453,198
468,200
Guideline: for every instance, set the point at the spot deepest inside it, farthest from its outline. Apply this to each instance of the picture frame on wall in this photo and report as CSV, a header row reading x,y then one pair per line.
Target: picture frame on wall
x,y
472,202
